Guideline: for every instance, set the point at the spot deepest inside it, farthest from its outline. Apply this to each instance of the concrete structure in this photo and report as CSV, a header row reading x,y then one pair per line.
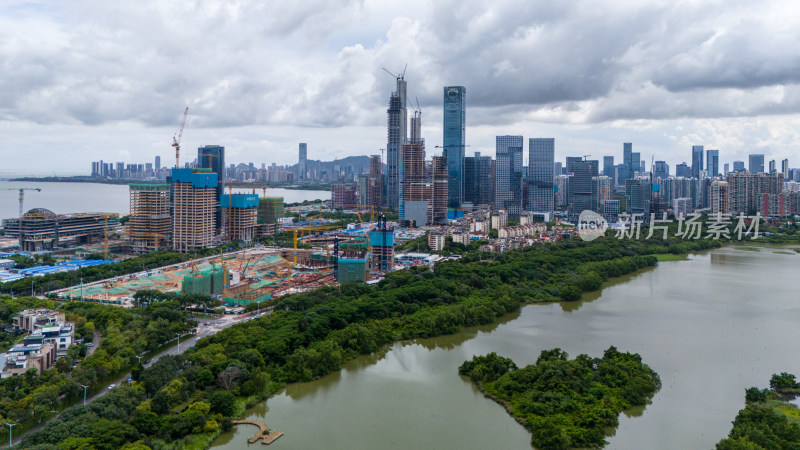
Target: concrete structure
x,y
239,212
454,142
31,320
382,243
719,197
637,198
745,190
343,194
436,240
194,204
270,209
42,229
499,219
396,135
374,183
611,211
682,206
150,224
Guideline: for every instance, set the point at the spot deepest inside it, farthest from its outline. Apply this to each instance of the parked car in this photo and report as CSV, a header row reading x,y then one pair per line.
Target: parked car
x,y
112,386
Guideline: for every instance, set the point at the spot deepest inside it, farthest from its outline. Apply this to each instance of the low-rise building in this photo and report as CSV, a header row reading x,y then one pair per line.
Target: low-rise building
x,y
30,320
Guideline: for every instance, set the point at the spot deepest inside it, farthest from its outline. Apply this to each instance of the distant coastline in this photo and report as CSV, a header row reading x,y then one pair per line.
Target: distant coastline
x,y
89,179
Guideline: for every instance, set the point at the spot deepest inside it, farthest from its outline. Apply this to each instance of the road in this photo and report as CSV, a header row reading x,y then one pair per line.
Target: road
x,y
205,327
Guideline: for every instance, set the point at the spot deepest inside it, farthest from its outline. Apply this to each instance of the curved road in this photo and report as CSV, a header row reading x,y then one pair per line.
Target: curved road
x,y
205,327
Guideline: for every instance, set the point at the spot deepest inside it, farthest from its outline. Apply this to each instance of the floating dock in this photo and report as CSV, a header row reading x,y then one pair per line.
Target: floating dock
x,y
262,433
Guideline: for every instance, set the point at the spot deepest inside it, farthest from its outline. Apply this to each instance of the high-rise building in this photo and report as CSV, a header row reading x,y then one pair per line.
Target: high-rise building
x,y
302,160
683,170
195,204
726,169
158,162
627,162
756,163
712,162
581,195
213,157
719,197
557,169
416,189
150,224
270,209
439,181
396,134
661,169
375,182
608,166
603,188
738,166
745,190
642,167
454,142
785,169
508,175
540,174
343,195
239,213
636,164
637,197
562,190
772,166
697,160
478,182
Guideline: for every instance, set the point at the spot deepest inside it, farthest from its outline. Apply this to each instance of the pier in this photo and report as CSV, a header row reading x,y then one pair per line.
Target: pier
x,y
262,433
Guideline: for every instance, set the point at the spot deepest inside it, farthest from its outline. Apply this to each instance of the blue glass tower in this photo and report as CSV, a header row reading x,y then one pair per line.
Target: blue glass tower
x,y
454,141
540,174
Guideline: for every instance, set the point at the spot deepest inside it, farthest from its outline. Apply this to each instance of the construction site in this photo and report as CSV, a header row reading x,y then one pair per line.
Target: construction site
x,y
248,276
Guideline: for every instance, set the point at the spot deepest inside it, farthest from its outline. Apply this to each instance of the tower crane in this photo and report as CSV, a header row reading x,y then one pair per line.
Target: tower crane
x,y
21,198
176,142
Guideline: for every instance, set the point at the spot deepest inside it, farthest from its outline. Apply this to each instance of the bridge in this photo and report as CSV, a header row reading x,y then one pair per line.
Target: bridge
x,y
262,433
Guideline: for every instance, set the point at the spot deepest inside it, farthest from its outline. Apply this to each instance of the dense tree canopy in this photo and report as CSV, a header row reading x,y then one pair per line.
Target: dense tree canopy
x,y
566,403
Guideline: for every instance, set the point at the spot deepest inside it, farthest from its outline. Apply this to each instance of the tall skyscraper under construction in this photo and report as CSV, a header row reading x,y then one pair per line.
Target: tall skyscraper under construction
x,y
416,190
396,135
150,224
195,204
454,141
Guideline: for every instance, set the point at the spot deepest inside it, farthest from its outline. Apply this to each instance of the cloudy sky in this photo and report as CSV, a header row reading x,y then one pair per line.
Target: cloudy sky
x,y
89,80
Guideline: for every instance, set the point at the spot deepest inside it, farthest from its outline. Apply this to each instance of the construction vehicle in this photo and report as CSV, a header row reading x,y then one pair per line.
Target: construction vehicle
x,y
21,200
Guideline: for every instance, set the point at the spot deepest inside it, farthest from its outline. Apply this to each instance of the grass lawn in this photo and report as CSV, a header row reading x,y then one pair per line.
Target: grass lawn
x,y
671,257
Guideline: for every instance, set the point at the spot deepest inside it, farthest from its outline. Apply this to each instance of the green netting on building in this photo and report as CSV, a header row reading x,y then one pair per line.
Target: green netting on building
x,y
352,269
210,282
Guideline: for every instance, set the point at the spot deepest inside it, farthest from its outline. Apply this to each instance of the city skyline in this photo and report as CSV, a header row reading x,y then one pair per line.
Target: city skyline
x,y
318,78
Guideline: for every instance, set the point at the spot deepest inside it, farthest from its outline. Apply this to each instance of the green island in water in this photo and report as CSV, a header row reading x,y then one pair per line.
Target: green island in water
x,y
565,403
767,421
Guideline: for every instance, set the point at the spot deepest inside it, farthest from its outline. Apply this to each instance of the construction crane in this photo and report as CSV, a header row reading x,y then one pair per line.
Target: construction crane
x,y
303,229
21,199
176,142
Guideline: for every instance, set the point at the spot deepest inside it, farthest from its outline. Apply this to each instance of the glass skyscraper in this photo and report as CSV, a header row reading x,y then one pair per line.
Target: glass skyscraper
x,y
582,193
712,162
396,134
454,141
540,174
697,160
756,163
508,175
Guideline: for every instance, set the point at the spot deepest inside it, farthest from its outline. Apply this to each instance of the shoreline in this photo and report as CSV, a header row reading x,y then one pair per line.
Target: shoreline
x,y
80,179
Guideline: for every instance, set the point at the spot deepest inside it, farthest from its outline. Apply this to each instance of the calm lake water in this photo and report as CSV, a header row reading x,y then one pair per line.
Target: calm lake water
x,y
62,198
711,327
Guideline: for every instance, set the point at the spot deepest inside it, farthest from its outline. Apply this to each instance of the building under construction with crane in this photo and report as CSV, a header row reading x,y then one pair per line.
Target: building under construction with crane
x,y
194,208
150,224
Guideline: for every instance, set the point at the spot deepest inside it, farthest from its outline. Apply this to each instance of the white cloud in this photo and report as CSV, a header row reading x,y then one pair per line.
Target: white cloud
x,y
261,76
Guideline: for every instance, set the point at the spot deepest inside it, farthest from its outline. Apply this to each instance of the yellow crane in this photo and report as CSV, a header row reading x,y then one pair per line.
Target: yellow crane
x,y
303,229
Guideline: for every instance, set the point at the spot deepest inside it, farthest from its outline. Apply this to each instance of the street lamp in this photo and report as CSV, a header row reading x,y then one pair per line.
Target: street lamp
x,y
10,433
84,393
